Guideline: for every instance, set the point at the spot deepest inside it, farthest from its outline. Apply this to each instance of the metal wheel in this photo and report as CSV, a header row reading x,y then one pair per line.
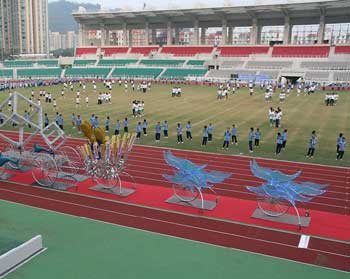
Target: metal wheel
x,y
128,177
273,206
44,170
108,177
68,160
185,194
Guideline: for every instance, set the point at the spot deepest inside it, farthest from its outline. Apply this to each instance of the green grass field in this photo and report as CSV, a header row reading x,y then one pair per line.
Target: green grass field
x,y
301,115
80,248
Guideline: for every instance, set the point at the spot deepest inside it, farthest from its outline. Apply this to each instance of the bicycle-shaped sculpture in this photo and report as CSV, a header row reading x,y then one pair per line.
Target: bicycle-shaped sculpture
x,y
280,192
105,159
46,163
189,180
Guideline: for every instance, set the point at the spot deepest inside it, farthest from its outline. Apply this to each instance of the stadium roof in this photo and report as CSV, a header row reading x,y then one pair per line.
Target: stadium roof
x,y
335,11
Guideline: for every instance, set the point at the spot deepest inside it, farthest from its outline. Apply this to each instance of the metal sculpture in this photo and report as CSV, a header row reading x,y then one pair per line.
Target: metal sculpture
x,y
45,163
190,179
280,191
105,159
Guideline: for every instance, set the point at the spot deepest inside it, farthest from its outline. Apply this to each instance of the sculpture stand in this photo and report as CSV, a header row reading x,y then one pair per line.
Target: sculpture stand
x,y
5,176
58,185
284,219
118,191
197,203
75,177
20,169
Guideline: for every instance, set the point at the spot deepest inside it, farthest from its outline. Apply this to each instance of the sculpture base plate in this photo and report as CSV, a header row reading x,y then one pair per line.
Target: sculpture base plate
x,y
197,203
68,176
5,176
284,219
58,185
21,169
123,192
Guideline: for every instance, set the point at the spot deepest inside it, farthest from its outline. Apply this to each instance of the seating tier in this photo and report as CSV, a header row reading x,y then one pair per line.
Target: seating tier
x,y
186,50
116,62
87,72
145,50
39,73
182,73
110,51
242,51
136,72
80,51
300,51
162,62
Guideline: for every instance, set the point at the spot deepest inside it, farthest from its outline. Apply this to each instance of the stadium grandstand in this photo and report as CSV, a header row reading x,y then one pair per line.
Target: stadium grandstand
x,y
261,41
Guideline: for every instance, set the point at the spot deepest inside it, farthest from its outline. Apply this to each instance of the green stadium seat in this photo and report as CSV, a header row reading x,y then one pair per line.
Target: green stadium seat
x,y
39,73
17,63
87,72
182,73
84,62
136,72
48,63
116,62
162,62
6,73
195,62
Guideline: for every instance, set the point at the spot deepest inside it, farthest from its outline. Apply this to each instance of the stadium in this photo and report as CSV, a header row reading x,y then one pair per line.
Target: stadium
x,y
222,98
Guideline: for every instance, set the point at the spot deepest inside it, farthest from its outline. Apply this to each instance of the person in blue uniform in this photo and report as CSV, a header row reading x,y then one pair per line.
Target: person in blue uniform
x,y
107,124
251,139
205,135
126,125
227,136
179,133
312,145
79,123
234,134
144,127
284,138
117,127
166,129
188,130
158,129
257,135
279,143
339,140
138,130
210,132
341,149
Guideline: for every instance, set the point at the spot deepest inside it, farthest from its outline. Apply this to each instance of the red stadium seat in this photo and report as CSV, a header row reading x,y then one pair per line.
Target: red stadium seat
x,y
242,50
342,49
186,50
109,51
300,51
79,51
145,50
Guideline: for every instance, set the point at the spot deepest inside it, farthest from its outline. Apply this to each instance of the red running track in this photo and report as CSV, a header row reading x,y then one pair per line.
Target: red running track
x,y
322,252
327,253
146,164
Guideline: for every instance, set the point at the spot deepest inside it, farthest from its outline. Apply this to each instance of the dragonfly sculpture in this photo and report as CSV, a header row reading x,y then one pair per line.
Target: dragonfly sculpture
x,y
191,178
280,190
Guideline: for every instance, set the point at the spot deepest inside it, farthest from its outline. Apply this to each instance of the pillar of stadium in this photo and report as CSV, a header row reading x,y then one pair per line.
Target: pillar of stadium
x,y
199,38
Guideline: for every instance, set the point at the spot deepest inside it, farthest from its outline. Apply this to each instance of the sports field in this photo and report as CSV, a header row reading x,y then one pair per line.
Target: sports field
x,y
83,248
301,115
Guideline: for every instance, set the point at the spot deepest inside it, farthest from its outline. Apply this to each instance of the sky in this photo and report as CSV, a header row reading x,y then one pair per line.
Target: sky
x,y
179,4
158,4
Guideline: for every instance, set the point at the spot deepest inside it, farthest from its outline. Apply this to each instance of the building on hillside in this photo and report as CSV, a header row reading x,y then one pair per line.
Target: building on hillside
x,y
23,27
